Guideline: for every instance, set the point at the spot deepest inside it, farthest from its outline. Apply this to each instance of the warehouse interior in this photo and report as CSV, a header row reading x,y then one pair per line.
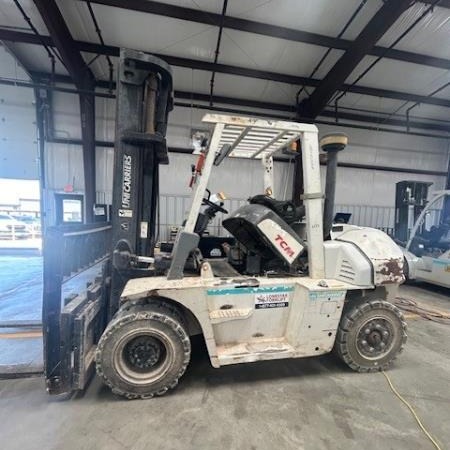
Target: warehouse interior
x,y
372,75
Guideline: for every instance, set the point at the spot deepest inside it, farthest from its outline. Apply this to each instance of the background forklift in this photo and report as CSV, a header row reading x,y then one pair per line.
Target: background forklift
x,y
422,228
292,286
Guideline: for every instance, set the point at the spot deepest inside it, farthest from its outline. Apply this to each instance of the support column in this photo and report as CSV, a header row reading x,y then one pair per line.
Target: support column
x,y
446,209
84,80
87,113
40,104
297,181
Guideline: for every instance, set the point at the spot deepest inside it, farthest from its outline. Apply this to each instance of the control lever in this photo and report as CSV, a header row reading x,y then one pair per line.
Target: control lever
x,y
217,207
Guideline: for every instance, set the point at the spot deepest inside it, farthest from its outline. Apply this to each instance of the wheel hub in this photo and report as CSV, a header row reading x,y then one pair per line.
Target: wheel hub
x,y
375,338
143,352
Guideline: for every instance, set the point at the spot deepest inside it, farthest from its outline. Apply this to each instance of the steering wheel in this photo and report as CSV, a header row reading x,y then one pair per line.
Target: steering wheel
x,y
215,206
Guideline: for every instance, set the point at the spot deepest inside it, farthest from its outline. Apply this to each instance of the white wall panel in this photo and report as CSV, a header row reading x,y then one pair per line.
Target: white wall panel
x,y
374,187
105,110
66,115
238,178
392,149
18,134
356,188
104,170
66,118
64,165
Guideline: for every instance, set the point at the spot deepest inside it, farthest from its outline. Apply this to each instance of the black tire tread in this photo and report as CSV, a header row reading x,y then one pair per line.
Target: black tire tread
x,y
352,312
145,311
158,304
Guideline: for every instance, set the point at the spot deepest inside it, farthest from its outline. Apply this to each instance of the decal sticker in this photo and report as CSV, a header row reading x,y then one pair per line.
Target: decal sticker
x,y
272,300
236,290
126,181
326,295
441,262
287,246
215,252
125,213
144,230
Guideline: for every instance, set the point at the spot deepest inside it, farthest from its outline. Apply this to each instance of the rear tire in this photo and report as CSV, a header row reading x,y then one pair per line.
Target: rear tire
x,y
370,335
143,351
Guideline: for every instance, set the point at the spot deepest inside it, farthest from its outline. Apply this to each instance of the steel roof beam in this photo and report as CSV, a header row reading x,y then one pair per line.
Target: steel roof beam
x,y
270,106
383,19
89,47
358,89
442,3
287,108
250,26
63,41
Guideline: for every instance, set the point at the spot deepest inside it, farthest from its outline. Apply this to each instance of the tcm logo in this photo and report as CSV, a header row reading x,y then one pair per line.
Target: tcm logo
x,y
284,245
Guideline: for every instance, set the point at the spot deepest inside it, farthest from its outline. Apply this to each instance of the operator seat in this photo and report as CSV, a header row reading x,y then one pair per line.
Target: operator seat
x,y
285,209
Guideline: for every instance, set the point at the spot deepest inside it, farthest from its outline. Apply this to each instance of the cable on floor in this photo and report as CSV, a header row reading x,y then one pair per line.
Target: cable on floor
x,y
413,412
414,307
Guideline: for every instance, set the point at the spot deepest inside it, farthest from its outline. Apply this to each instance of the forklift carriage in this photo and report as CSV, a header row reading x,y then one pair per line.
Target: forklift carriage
x,y
293,285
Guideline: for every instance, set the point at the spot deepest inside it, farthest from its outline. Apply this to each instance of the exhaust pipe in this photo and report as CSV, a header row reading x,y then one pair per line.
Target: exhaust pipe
x,y
331,144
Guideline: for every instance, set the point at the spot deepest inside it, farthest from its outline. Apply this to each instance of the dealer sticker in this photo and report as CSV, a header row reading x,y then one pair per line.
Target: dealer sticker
x,y
271,300
125,213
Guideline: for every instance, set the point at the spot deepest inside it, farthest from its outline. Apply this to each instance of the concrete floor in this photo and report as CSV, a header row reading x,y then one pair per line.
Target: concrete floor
x,y
20,287
21,300
314,403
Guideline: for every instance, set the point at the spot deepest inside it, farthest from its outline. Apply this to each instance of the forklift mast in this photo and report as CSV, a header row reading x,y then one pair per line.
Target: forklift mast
x,y
144,99
410,200
74,322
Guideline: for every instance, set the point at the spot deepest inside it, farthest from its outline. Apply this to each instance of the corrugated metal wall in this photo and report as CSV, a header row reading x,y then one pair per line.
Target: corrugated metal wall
x,y
372,191
173,210
18,134
369,194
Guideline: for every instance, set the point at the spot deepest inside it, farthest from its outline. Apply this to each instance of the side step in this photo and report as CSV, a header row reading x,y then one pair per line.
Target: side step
x,y
225,315
255,351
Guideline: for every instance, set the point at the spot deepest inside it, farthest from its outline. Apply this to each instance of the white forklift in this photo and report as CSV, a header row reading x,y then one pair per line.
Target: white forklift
x,y
427,251
292,286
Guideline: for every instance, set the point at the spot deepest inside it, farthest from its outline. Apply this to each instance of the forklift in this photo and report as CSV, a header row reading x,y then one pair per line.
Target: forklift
x,y
292,285
427,251
410,200
422,230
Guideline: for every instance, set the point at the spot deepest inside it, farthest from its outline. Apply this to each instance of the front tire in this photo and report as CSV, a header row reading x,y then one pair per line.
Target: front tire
x,y
370,335
143,352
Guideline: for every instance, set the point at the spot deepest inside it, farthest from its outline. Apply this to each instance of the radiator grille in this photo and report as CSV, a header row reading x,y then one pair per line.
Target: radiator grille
x,y
346,272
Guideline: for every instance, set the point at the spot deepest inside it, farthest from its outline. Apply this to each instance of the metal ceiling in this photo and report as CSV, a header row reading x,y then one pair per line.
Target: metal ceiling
x,y
310,12
266,52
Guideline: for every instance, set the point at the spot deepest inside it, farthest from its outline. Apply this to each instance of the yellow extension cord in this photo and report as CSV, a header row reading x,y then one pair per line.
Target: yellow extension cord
x,y
413,412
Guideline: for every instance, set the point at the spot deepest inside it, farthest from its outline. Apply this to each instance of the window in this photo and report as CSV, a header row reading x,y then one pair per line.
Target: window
x,y
69,209
72,210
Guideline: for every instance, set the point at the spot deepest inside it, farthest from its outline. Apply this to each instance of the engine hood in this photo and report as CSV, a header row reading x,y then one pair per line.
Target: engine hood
x,y
385,255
